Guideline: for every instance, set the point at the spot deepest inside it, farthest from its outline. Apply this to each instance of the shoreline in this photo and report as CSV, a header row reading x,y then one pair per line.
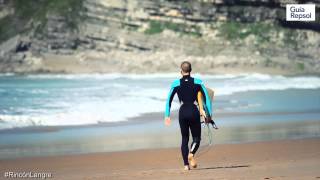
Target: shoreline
x,y
143,135
285,159
140,119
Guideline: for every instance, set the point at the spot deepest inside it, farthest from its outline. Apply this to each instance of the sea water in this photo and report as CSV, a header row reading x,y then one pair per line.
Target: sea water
x,y
246,107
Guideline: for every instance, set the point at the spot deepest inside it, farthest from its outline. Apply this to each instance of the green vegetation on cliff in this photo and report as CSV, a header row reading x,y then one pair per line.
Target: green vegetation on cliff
x,y
237,30
231,30
7,28
263,32
156,27
30,12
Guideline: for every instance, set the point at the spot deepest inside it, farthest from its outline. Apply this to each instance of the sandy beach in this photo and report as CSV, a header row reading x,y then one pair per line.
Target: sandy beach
x,y
283,159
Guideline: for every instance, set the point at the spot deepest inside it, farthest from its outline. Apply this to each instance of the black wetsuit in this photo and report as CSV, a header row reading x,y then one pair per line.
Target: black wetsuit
x,y
187,89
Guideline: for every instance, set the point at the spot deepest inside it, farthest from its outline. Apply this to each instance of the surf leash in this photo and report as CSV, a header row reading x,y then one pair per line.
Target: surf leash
x,y
208,133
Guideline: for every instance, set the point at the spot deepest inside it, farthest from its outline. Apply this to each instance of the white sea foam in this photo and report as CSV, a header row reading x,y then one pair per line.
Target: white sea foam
x,y
103,76
264,82
7,74
90,99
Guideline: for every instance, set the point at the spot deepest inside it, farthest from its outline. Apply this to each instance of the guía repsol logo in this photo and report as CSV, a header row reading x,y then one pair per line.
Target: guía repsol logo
x,y
300,12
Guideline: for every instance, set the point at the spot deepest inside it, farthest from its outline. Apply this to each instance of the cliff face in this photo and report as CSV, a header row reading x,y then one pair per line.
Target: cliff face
x,y
218,36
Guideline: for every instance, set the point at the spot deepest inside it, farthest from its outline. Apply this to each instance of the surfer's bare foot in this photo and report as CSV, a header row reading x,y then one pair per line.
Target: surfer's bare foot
x,y
186,168
192,161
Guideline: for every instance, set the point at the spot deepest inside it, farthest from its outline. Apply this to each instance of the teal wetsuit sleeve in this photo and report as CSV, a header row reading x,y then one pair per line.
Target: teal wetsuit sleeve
x,y
171,94
207,97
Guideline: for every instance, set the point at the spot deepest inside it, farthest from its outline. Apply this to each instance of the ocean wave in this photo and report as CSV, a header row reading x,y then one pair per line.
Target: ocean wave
x,y
102,98
103,76
146,76
7,74
83,110
258,82
143,76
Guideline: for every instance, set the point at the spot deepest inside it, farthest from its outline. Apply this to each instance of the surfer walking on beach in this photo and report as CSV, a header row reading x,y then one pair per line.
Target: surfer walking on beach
x,y
187,89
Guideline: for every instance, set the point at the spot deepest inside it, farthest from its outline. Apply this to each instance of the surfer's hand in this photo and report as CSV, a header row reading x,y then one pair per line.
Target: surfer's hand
x,y
167,121
202,113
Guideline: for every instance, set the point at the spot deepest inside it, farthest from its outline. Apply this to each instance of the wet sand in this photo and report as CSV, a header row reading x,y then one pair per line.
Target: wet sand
x,y
283,159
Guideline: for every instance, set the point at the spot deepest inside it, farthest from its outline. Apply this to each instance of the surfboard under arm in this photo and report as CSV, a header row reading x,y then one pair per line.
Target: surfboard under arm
x,y
202,105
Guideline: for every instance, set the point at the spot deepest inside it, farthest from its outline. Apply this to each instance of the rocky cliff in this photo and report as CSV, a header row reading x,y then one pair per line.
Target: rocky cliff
x,y
142,36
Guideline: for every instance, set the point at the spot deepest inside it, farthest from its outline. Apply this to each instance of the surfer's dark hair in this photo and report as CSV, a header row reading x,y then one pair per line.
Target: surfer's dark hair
x,y
186,67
